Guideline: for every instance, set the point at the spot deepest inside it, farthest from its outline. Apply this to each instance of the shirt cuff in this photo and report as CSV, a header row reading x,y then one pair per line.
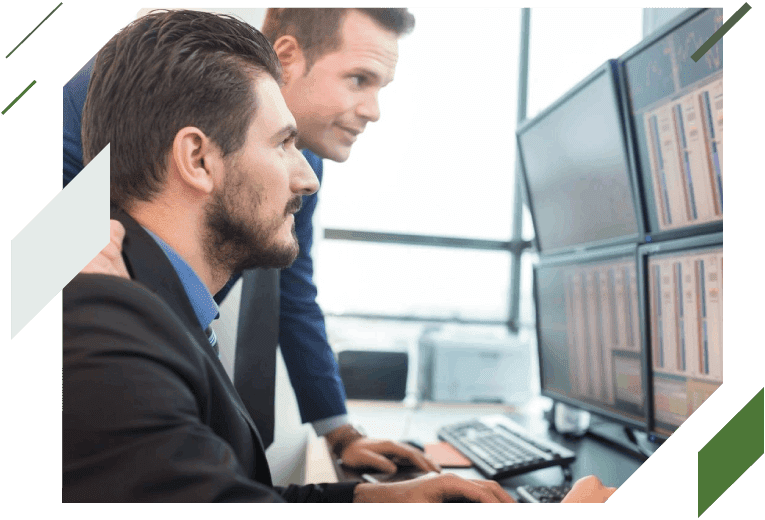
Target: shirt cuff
x,y
324,426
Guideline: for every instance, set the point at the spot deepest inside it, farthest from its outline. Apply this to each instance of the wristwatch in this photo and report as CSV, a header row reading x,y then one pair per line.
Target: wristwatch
x,y
346,440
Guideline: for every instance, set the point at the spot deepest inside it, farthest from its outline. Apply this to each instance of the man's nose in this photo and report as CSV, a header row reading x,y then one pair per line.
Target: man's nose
x,y
369,108
304,180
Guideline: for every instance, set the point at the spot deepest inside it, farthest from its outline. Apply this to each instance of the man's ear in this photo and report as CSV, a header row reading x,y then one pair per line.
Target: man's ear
x,y
291,57
196,159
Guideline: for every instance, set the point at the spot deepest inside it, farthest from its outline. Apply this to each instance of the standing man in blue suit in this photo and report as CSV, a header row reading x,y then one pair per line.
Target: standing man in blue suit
x,y
335,62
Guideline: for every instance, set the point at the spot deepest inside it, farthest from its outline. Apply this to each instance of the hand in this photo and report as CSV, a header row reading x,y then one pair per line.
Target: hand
x,y
433,488
588,490
109,260
362,452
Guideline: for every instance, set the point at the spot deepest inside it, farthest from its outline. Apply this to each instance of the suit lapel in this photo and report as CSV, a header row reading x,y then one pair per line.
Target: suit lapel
x,y
148,264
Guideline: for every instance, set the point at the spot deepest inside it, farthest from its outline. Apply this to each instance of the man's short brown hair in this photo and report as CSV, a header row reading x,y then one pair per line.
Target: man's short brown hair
x,y
163,72
317,31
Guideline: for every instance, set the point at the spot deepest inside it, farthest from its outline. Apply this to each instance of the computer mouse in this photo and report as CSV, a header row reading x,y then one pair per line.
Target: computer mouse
x,y
415,444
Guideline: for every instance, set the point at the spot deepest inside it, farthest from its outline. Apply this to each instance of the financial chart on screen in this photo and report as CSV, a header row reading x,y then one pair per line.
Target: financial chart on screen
x,y
590,336
685,296
676,106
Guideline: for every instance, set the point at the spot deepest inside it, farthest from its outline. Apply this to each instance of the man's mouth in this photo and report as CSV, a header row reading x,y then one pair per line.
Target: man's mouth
x,y
352,132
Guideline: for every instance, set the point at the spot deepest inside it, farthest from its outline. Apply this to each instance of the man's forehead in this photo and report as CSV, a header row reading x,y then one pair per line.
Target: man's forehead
x,y
271,114
364,42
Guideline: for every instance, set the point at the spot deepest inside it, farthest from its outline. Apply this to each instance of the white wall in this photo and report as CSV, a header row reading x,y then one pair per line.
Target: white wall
x,y
655,17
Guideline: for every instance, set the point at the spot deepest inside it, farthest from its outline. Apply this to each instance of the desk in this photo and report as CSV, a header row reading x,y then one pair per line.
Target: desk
x,y
398,421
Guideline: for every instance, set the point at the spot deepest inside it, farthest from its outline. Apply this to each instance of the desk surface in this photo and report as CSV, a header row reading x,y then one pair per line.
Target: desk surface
x,y
397,421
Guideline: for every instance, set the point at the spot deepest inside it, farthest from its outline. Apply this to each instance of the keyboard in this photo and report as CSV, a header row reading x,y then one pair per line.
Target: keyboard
x,y
499,447
542,494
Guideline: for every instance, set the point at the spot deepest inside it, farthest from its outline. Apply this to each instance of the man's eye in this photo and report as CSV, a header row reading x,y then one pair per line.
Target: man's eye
x,y
359,81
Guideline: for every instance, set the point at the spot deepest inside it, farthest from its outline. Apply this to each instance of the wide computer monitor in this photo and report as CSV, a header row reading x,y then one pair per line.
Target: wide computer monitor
x,y
674,112
576,171
591,352
682,281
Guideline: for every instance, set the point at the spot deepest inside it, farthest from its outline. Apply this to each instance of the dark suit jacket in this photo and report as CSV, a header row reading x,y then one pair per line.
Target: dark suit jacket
x,y
149,413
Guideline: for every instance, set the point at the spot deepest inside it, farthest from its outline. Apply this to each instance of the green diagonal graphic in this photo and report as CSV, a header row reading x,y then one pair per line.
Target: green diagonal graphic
x,y
731,452
733,20
18,97
33,30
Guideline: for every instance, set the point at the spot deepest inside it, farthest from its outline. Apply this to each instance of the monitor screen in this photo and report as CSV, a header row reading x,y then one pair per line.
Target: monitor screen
x,y
675,109
685,329
589,334
576,169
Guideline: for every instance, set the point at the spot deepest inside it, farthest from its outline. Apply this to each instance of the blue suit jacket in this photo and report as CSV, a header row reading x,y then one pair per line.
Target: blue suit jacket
x,y
310,362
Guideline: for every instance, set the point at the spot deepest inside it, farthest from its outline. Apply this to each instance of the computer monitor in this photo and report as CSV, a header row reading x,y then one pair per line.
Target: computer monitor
x,y
591,353
674,112
682,281
576,171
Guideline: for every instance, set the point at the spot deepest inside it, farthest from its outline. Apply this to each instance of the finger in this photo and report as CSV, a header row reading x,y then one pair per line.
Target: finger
x,y
497,490
408,453
459,488
116,232
479,494
422,460
367,458
434,465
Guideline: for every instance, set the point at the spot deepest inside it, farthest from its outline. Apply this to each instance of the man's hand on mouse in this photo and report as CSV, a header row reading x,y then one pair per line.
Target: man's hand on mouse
x,y
358,451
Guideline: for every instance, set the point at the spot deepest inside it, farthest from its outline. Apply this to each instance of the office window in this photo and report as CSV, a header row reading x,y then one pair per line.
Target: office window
x,y
434,282
568,44
441,159
527,316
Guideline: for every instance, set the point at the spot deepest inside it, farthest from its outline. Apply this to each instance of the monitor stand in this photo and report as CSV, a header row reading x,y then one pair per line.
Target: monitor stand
x,y
626,439
623,438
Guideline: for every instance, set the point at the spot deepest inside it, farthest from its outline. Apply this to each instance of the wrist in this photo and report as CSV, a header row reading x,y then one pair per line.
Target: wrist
x,y
342,437
364,493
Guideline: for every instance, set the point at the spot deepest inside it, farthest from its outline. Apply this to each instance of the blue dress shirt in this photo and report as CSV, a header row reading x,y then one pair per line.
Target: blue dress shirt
x,y
201,300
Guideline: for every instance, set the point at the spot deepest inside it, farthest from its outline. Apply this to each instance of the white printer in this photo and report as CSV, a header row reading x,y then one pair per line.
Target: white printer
x,y
460,364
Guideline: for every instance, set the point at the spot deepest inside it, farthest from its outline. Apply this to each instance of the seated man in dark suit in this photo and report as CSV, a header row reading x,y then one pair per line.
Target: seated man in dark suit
x,y
205,179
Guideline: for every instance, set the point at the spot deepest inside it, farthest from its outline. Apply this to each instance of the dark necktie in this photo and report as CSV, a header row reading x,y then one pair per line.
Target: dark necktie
x,y
256,341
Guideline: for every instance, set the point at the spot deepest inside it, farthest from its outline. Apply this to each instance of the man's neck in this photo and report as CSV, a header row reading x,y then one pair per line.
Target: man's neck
x,y
178,227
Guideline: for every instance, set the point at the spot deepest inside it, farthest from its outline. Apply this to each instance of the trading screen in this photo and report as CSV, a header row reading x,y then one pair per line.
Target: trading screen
x,y
677,105
685,293
589,335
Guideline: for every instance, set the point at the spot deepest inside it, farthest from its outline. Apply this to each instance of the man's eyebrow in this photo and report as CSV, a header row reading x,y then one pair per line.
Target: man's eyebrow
x,y
288,130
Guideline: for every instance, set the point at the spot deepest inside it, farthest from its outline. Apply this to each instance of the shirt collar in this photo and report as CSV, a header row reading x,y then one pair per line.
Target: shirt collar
x,y
201,300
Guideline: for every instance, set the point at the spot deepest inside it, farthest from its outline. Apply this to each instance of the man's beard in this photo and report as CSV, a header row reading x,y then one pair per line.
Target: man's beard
x,y
235,240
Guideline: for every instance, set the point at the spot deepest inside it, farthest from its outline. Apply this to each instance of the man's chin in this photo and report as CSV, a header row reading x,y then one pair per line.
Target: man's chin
x,y
341,155
337,153
273,260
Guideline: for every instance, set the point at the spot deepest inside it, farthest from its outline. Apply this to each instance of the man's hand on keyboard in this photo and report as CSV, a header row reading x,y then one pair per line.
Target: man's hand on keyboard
x,y
433,488
588,489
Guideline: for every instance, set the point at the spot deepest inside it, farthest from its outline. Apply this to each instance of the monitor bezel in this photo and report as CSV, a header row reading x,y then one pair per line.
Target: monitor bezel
x,y
649,211
618,251
609,67
684,244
